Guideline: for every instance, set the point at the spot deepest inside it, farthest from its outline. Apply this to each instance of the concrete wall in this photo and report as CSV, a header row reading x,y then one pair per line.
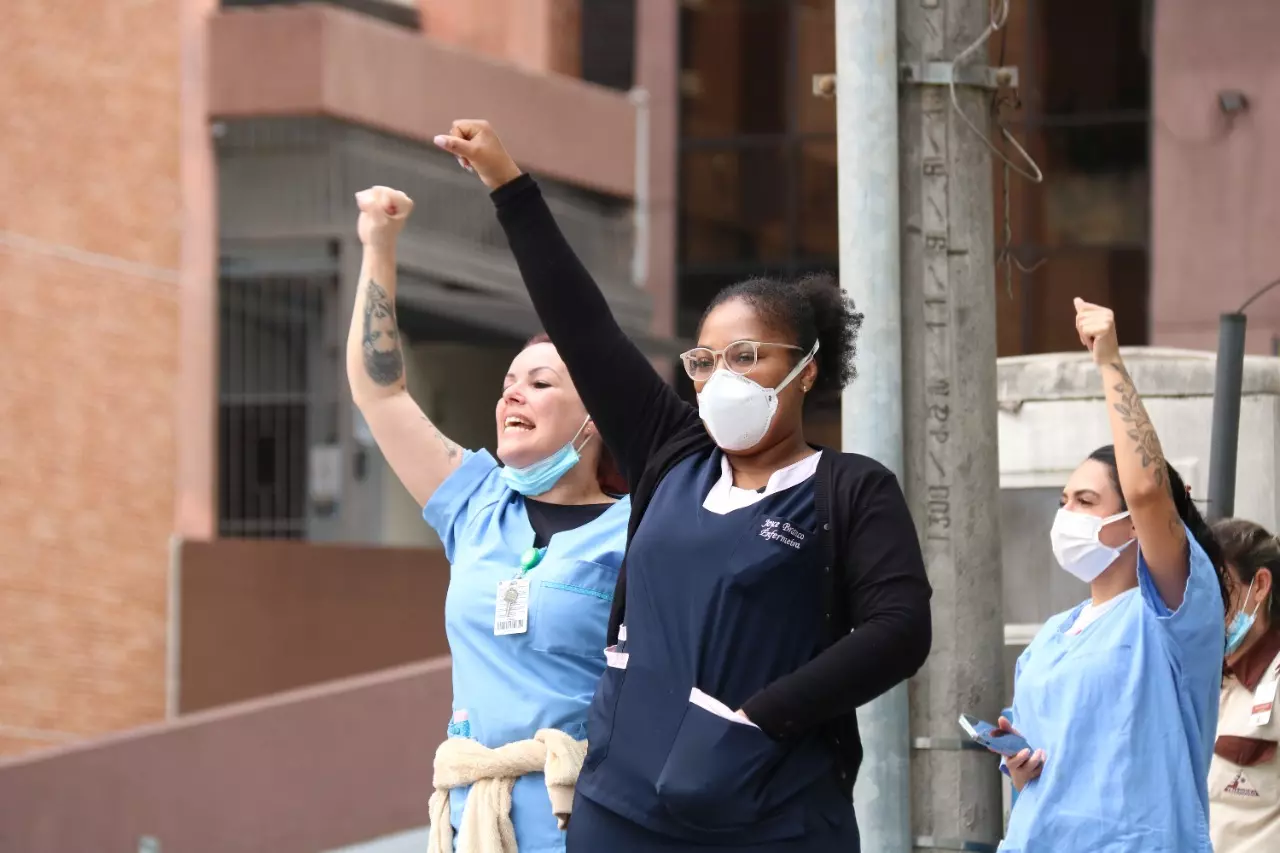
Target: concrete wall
x,y
89,259
538,35
321,60
313,770
254,618
1215,181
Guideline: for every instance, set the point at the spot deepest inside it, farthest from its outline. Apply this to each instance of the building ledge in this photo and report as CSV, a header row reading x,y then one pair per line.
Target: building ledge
x,y
320,60
1156,372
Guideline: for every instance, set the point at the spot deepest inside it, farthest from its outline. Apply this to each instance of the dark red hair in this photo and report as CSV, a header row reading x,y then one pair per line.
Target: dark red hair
x,y
607,474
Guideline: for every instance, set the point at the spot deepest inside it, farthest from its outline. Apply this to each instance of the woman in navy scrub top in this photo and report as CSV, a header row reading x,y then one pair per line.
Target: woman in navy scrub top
x,y
546,518
769,588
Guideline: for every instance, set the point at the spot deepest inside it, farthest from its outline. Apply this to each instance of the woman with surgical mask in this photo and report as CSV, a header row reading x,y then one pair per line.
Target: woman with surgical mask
x,y
1118,697
771,587
1244,779
534,547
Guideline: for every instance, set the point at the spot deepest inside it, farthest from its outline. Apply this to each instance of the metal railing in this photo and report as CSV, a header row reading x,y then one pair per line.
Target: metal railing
x,y
286,225
277,394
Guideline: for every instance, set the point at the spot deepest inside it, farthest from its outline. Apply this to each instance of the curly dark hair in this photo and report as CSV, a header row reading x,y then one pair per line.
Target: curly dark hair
x,y
806,309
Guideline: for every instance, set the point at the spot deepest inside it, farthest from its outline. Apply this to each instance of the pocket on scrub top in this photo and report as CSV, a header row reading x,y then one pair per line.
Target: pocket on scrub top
x,y
571,608
716,778
604,706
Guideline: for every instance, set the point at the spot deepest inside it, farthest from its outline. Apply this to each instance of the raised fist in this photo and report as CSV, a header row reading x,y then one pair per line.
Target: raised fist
x,y
479,149
383,212
1096,327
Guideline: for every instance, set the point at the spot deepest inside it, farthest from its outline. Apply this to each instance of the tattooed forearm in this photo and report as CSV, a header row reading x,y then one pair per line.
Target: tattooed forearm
x,y
1138,425
383,361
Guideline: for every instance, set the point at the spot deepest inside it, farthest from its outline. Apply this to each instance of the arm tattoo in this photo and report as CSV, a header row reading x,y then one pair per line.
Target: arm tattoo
x,y
449,447
383,360
1140,430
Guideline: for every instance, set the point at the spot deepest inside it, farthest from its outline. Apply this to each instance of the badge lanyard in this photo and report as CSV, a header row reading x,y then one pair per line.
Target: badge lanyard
x,y
511,611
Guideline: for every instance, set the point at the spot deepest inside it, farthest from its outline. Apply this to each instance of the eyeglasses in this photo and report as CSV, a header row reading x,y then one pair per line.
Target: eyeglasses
x,y
739,356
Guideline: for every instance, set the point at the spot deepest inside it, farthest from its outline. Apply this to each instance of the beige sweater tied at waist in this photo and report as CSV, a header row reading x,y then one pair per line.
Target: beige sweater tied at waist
x,y
492,773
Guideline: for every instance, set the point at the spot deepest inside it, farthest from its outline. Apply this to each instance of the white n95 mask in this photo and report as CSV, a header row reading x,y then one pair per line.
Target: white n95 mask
x,y
738,412
1075,543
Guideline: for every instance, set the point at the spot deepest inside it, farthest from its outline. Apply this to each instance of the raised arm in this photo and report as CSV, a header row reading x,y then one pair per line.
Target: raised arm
x,y
1140,462
419,454
635,410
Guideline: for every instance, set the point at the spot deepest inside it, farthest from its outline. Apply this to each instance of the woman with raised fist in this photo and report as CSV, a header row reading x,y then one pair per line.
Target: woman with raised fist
x,y
1118,697
534,546
771,587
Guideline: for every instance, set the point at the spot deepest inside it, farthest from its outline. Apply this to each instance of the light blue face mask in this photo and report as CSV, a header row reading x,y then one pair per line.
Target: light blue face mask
x,y
541,476
1240,623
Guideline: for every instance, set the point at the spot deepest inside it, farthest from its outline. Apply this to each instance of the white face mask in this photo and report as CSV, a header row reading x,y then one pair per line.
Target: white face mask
x,y
738,412
1075,543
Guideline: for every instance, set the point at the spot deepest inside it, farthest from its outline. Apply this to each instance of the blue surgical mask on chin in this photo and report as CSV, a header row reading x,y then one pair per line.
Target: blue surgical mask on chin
x,y
1240,623
541,476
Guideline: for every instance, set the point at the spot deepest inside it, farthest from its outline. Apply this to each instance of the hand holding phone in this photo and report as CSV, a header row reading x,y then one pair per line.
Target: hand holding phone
x,y
1022,763
1004,741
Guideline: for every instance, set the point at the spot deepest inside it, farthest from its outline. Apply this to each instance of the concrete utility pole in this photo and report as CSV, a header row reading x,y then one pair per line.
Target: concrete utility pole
x,y
916,253
949,406
871,421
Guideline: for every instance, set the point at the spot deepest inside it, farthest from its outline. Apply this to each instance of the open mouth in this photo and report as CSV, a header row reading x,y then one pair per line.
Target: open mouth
x,y
516,423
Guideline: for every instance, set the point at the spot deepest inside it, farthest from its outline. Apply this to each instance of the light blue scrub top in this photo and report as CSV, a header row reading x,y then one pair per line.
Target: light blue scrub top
x,y
1126,713
509,687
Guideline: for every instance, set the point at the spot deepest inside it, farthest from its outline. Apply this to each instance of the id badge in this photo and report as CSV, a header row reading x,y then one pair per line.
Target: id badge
x,y
511,616
1264,699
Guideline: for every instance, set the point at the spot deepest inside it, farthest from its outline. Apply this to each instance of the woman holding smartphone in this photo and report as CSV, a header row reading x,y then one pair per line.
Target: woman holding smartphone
x,y
1119,695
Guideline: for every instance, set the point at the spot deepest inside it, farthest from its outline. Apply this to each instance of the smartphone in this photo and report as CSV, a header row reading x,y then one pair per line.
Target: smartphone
x,y
992,737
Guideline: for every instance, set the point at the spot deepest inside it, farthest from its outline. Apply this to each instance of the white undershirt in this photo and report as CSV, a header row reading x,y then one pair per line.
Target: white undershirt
x,y
725,497
1091,613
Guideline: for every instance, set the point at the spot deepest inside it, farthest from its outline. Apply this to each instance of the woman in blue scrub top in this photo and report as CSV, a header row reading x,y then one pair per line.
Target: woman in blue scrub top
x,y
1119,696
534,545
770,587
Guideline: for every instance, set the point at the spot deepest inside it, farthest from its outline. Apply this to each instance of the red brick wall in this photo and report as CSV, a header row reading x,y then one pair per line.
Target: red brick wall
x,y
89,246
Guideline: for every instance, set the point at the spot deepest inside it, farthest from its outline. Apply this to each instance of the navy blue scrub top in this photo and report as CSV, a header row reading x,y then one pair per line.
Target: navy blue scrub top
x,y
724,604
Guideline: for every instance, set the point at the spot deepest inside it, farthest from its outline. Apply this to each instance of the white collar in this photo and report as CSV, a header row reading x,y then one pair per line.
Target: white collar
x,y
725,497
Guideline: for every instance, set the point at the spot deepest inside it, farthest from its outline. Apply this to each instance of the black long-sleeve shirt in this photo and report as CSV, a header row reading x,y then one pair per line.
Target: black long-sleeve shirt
x,y
877,607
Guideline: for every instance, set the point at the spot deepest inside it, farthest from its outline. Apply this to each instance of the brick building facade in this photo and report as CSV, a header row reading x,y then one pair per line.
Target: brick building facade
x,y
130,130
90,248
